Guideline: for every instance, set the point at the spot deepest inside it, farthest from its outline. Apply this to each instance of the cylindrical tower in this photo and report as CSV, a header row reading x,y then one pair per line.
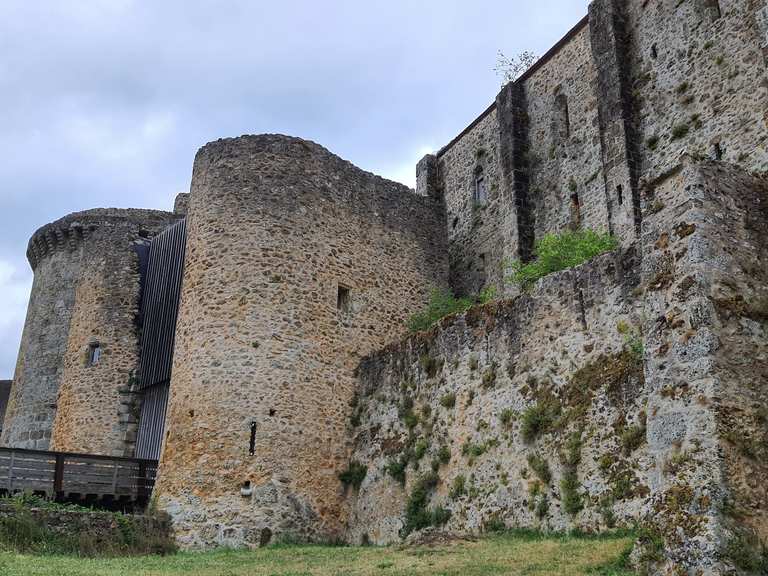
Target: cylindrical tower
x,y
79,345
297,264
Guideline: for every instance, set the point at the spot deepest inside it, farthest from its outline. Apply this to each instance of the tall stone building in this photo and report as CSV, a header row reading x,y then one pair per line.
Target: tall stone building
x,y
254,340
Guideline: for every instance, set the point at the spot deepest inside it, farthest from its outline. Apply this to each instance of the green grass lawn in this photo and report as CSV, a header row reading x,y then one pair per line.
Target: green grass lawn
x,y
503,554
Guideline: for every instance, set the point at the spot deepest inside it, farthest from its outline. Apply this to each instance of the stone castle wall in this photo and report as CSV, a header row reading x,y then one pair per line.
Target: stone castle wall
x,y
468,383
650,380
85,291
297,265
700,81
613,104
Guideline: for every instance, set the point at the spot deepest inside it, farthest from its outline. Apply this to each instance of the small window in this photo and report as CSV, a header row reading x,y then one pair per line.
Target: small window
x,y
575,212
562,118
654,52
715,9
252,442
94,353
481,187
344,299
620,194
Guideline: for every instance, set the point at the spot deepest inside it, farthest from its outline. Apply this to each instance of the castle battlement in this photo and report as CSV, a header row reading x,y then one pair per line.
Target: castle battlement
x,y
69,232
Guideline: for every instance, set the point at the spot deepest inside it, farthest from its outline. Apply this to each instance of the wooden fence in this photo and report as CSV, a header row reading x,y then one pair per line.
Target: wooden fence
x,y
63,476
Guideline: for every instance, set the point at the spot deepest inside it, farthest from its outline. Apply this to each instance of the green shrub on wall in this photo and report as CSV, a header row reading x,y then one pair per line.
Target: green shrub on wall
x,y
442,303
555,252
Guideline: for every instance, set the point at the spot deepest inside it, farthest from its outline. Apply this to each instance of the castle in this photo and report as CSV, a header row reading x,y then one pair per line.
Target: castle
x,y
254,340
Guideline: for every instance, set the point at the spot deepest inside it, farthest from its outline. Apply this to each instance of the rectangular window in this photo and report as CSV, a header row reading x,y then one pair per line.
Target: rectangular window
x,y
344,299
94,354
481,190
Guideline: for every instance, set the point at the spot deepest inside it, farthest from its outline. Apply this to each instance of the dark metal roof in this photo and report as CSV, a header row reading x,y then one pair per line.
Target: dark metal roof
x,y
160,304
5,392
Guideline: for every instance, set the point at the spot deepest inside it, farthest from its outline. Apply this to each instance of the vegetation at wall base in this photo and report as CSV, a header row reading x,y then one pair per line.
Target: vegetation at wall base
x,y
555,252
505,552
25,529
442,303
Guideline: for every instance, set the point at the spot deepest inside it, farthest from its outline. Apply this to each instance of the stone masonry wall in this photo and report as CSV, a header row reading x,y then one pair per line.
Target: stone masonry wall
x,y
474,229
613,104
84,290
466,386
297,265
707,359
567,186
700,82
645,391
97,409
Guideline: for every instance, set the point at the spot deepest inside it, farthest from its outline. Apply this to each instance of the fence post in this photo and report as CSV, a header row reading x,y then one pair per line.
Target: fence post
x,y
58,476
10,473
142,487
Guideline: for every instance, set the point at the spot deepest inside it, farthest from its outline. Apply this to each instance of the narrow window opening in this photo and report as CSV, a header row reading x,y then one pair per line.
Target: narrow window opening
x,y
94,353
718,150
252,443
562,118
343,299
455,222
654,52
620,194
712,8
272,411
575,212
717,11
481,188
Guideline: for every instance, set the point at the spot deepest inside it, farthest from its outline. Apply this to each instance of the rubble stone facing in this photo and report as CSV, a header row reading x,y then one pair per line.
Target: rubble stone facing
x,y
645,369
708,76
505,357
671,437
475,250
85,290
275,226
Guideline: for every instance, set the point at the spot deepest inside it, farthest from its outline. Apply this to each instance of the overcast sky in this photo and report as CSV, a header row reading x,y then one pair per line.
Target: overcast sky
x,y
104,102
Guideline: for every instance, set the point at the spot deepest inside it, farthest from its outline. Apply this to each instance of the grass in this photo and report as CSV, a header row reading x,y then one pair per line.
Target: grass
x,y
509,553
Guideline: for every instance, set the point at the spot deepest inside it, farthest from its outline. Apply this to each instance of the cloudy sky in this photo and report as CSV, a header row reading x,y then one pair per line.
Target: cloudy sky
x,y
104,102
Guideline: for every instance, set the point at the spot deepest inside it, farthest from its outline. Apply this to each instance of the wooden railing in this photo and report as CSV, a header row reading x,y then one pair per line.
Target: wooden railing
x,y
61,476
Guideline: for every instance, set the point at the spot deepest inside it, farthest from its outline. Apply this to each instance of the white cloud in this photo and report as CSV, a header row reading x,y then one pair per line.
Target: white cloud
x,y
405,171
14,293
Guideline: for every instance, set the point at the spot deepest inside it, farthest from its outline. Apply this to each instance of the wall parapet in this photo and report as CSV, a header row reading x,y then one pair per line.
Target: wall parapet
x,y
68,232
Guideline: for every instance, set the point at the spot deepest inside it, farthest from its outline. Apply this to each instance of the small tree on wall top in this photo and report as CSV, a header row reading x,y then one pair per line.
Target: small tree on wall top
x,y
510,69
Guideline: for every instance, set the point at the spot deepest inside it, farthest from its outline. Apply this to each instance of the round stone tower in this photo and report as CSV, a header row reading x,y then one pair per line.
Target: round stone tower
x,y
297,265
79,345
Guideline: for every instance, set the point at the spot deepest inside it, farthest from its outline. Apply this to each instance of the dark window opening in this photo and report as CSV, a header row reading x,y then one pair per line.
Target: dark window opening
x,y
718,151
344,299
562,118
252,443
481,187
575,212
620,194
272,412
94,353
654,52
455,222
715,10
